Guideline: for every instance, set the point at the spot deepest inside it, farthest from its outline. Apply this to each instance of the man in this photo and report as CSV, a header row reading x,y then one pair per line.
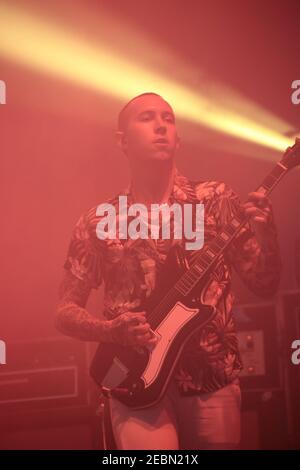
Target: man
x,y
201,407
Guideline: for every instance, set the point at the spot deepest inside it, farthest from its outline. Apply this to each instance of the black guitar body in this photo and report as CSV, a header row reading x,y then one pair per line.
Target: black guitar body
x,y
139,376
120,369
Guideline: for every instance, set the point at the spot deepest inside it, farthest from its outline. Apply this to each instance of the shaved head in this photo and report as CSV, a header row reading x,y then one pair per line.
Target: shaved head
x,y
128,108
146,129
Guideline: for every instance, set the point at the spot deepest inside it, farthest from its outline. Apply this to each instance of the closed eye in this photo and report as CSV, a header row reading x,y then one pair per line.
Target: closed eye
x,y
147,116
169,117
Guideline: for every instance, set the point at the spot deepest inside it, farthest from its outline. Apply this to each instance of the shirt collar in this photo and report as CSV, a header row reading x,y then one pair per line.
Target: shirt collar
x,y
181,191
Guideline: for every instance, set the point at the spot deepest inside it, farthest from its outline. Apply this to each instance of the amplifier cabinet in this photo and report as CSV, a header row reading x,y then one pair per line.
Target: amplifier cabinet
x,y
50,372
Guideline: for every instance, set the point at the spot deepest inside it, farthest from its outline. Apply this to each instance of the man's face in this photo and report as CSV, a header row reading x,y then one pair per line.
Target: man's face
x,y
150,132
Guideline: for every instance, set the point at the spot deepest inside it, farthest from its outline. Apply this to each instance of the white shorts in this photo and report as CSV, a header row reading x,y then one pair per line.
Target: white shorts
x,y
206,421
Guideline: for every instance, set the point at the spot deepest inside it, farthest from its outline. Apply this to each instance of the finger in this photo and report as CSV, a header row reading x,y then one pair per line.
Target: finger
x,y
259,199
252,208
152,342
257,205
144,340
254,204
136,314
252,211
254,195
152,339
137,317
151,336
141,340
260,219
247,204
140,329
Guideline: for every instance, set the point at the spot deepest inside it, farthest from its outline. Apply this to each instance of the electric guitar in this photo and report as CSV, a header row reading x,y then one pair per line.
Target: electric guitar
x,y
139,376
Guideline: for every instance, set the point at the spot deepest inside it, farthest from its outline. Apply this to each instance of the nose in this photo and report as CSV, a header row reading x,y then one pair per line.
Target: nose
x,y
160,126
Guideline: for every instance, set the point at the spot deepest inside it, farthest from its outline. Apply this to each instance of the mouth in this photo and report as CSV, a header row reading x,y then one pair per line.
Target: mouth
x,y
161,141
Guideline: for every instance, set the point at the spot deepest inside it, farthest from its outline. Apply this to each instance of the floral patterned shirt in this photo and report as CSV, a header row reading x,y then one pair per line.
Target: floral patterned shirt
x,y
128,268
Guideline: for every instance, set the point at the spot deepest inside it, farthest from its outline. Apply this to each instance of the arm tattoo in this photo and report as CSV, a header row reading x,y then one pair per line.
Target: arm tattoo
x,y
72,318
74,290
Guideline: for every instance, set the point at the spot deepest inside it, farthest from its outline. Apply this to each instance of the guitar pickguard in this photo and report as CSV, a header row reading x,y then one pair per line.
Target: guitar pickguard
x,y
166,332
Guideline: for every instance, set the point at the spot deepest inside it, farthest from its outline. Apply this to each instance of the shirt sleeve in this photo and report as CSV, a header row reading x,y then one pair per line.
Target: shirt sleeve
x,y
85,253
257,263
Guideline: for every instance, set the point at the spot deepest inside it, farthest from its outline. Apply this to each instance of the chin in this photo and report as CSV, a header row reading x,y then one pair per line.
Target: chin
x,y
161,155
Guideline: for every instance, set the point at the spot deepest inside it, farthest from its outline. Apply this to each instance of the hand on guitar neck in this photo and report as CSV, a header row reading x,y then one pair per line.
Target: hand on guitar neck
x,y
259,209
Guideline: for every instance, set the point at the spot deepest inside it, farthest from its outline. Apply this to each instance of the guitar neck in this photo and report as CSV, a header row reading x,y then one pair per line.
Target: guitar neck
x,y
208,257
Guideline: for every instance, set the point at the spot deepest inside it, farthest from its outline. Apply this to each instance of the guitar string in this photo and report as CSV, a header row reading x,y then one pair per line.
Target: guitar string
x,y
172,294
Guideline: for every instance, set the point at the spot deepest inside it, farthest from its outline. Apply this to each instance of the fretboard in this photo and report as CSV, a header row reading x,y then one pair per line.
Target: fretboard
x,y
210,255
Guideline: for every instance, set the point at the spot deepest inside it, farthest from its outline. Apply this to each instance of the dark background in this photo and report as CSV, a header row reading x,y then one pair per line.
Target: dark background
x,y
58,154
57,147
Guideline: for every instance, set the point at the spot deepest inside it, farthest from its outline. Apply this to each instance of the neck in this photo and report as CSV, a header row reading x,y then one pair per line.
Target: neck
x,y
152,182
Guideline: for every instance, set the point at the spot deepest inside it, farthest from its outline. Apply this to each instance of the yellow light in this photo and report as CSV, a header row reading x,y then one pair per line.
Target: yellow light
x,y
36,43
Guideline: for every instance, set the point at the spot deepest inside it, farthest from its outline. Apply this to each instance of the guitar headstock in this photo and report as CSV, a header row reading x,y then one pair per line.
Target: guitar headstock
x,y
291,157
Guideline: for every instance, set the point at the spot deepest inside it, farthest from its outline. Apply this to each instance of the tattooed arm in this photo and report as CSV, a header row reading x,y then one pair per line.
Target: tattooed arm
x,y
83,272
72,318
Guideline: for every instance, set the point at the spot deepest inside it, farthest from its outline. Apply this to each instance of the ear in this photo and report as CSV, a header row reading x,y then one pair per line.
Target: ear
x,y
121,140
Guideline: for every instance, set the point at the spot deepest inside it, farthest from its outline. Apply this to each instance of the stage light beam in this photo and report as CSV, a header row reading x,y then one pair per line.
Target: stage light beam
x,y
38,44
